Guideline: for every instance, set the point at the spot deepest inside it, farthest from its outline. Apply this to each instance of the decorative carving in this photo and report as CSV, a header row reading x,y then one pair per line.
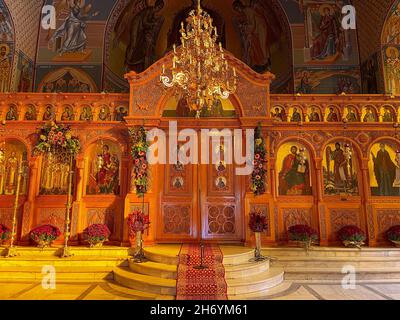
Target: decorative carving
x,y
53,216
295,216
101,216
343,217
386,219
177,219
221,219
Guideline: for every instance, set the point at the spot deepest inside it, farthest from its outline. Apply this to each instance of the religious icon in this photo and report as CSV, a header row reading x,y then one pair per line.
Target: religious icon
x,y
387,115
314,115
11,174
328,39
351,115
49,114
294,177
104,114
396,183
252,27
5,66
369,116
296,116
220,166
279,114
86,114
384,170
104,176
31,114
54,179
71,36
120,113
68,114
332,116
305,83
12,113
339,170
143,29
221,182
6,29
178,182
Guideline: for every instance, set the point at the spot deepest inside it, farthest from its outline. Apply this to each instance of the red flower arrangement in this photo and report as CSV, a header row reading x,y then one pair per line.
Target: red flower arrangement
x,y
5,232
45,234
352,234
258,221
139,155
302,232
96,233
393,234
258,176
138,221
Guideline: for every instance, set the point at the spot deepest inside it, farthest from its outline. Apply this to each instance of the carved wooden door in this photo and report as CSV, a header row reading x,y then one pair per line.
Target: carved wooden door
x,y
200,202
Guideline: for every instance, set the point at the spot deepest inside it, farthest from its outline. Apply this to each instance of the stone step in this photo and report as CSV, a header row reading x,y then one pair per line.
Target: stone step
x,y
129,293
332,273
338,262
73,261
255,283
159,256
331,252
245,269
263,294
156,269
105,251
127,278
231,257
62,273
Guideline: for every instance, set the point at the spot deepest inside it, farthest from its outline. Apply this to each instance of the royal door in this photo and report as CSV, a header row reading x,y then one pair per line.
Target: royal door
x,y
200,202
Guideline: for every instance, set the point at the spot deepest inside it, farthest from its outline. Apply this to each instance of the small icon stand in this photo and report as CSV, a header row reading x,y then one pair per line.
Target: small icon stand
x,y
202,266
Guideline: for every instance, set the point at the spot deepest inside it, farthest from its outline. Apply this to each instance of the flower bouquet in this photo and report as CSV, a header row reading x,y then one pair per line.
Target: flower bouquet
x,y
138,222
139,155
352,236
44,235
258,223
5,233
304,234
393,235
96,234
53,137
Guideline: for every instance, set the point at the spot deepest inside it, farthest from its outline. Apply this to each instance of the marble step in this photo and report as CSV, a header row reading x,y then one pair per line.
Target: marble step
x,y
231,257
156,269
331,252
361,274
128,293
338,262
105,251
165,257
73,261
256,283
263,294
62,273
245,269
127,278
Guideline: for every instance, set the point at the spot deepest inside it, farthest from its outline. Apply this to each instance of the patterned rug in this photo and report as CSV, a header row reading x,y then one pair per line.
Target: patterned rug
x,y
206,284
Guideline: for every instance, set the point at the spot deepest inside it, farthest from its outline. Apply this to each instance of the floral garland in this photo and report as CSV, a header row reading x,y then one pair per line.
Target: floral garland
x,y
54,137
138,221
258,177
139,150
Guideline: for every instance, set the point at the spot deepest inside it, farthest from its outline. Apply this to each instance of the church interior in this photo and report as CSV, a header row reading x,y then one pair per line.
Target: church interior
x,y
84,82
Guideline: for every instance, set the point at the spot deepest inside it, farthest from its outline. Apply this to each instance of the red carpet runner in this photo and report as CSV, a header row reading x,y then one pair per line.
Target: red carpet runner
x,y
207,284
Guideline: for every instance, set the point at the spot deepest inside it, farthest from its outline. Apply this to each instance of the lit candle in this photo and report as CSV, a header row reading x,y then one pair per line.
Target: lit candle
x,y
163,69
174,48
234,72
174,63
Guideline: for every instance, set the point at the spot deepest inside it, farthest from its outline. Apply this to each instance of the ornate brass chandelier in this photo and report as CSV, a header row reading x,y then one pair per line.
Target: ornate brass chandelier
x,y
200,71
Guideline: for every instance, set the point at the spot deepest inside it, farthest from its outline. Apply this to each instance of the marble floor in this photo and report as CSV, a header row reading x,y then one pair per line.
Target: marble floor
x,y
288,290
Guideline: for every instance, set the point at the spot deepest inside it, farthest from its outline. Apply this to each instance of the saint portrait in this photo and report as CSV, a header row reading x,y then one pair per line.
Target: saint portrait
x,y
294,170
